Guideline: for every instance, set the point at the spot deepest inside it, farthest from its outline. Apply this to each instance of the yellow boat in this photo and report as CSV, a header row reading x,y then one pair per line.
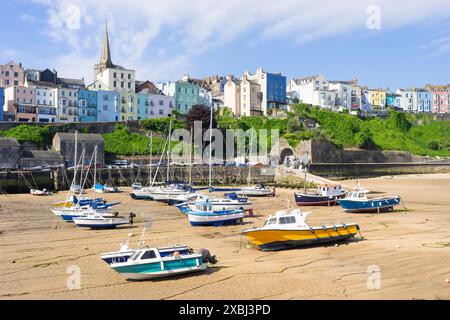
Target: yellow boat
x,y
289,229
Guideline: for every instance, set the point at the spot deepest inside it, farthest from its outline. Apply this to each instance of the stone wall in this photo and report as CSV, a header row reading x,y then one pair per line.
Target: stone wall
x,y
326,152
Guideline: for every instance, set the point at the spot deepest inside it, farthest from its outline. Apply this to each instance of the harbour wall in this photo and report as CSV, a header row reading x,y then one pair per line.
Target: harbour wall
x,y
59,180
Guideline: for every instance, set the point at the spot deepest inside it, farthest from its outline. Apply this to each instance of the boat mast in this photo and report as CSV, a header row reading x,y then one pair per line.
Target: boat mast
x,y
168,150
95,168
75,162
150,159
190,159
210,145
250,151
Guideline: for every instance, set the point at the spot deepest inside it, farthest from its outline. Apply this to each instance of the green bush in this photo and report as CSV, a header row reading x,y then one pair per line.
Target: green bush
x,y
40,136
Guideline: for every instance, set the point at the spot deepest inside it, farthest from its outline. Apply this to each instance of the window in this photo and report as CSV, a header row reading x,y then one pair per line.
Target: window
x,y
161,102
115,84
129,76
16,74
129,85
121,75
115,75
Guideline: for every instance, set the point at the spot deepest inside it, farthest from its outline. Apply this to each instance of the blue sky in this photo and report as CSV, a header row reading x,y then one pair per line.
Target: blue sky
x,y
162,40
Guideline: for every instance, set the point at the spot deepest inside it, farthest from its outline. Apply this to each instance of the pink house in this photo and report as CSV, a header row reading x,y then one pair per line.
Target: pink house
x,y
20,103
440,102
12,74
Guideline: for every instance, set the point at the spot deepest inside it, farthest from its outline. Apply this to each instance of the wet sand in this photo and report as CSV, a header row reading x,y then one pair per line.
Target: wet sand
x,y
411,248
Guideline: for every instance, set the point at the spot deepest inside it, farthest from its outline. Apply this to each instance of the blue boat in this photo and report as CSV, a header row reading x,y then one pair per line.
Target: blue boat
x,y
204,215
357,201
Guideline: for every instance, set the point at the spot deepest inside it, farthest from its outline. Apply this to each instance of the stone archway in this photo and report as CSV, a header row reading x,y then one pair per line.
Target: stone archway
x,y
285,153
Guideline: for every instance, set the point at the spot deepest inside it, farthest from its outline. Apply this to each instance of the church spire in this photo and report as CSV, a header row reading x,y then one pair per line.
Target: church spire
x,y
105,58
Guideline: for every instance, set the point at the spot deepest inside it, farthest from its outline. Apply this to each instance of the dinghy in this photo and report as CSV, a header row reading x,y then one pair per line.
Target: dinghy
x,y
259,190
289,229
44,192
358,201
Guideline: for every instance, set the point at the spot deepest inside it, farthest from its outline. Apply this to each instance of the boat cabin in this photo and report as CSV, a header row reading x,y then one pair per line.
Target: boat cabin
x,y
330,190
358,195
287,219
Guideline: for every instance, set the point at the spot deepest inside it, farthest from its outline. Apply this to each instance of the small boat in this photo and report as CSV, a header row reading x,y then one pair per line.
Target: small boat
x,y
289,229
157,262
136,186
44,192
230,201
96,220
100,188
76,189
358,201
259,190
171,192
204,215
325,195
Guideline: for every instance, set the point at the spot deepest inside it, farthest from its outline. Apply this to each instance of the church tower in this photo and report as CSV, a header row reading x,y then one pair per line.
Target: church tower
x,y
105,58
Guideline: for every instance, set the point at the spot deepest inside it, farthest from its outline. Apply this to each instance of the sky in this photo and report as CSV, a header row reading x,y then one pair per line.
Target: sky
x,y
384,43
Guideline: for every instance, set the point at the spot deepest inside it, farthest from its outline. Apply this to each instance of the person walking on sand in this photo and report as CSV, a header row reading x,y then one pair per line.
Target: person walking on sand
x,y
132,216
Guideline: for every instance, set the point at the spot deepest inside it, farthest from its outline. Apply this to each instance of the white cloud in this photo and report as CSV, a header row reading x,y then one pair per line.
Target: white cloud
x,y
27,17
163,39
436,47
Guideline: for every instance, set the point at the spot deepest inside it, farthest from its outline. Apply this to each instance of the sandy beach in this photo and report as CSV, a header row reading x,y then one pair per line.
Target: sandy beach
x,y
411,248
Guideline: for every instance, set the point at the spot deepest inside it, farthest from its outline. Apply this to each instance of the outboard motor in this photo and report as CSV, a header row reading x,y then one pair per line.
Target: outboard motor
x,y
207,257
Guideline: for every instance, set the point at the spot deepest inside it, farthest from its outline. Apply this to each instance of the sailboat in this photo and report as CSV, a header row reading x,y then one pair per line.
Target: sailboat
x,y
83,208
259,190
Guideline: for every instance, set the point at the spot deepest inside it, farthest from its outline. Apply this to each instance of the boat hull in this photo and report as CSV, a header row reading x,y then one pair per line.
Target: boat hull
x,y
369,206
278,239
161,269
216,220
312,200
106,223
256,193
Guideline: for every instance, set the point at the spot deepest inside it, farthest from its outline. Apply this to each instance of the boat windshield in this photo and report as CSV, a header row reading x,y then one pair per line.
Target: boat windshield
x,y
287,220
149,254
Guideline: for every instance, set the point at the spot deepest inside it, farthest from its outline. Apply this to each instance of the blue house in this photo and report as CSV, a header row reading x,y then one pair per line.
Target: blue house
x,y
2,101
393,100
108,106
276,91
87,102
424,100
143,104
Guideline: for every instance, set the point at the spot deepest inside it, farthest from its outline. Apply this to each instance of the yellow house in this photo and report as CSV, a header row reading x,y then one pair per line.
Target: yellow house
x,y
128,106
377,98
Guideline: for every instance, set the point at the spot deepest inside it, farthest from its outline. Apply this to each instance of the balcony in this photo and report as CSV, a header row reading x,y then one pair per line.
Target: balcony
x,y
25,109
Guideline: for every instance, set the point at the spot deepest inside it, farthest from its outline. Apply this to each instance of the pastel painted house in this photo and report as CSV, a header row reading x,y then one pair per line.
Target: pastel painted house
x,y
20,104
108,106
408,99
2,101
393,100
128,106
377,98
186,94
440,98
87,102
424,100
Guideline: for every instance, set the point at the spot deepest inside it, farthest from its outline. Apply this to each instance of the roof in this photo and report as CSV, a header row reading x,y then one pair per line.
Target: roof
x,y
63,136
42,84
147,87
298,80
42,154
67,81
9,142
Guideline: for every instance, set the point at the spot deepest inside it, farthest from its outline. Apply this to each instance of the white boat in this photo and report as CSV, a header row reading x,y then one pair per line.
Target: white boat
x,y
228,202
68,213
96,220
257,191
205,216
168,193
44,192
76,189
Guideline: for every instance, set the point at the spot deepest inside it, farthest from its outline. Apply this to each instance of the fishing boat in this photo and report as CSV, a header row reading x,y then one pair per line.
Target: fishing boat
x,y
157,262
96,220
204,215
259,190
358,201
44,192
230,201
289,229
325,195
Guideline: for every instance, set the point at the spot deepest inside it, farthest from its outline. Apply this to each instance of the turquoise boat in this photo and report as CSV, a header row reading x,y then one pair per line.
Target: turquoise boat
x,y
152,263
358,202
